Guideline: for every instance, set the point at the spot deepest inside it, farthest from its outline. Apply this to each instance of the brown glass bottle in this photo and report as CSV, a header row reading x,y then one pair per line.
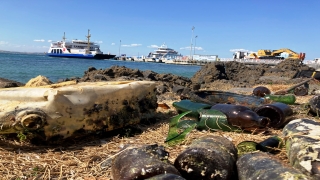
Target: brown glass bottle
x,y
278,113
261,91
241,116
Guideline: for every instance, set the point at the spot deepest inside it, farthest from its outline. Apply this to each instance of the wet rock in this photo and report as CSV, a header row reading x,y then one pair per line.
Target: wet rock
x,y
177,89
162,89
149,74
8,84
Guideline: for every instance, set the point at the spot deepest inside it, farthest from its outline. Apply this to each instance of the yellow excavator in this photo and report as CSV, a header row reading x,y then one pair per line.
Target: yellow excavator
x,y
275,54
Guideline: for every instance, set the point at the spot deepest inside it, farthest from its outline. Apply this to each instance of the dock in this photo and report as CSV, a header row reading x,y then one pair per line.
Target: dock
x,y
270,62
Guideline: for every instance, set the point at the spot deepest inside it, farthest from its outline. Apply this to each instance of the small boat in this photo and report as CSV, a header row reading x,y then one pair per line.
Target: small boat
x,y
77,49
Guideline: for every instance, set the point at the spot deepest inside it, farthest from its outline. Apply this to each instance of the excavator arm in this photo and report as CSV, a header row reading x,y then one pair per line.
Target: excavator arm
x,y
292,54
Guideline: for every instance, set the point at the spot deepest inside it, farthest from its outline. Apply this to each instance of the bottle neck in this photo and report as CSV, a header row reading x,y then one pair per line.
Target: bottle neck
x,y
263,121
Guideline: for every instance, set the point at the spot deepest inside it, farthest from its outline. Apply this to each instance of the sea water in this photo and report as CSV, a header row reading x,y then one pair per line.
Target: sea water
x,y
22,67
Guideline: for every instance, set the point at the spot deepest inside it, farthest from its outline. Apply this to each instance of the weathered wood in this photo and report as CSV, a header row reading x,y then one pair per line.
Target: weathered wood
x,y
285,91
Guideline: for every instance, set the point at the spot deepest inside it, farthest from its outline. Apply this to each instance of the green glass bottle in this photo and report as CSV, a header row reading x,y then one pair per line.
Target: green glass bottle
x,y
287,99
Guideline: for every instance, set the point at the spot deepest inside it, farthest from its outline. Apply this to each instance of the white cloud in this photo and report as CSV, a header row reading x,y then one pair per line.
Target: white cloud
x,y
153,46
49,41
198,48
188,48
131,45
112,44
185,48
243,50
99,42
3,42
39,40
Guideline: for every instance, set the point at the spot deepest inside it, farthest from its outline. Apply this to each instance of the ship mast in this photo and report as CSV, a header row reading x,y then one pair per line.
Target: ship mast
x,y
88,37
64,36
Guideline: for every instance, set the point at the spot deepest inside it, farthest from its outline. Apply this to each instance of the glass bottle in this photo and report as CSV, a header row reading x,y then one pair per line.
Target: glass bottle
x,y
208,157
241,116
278,113
261,91
287,99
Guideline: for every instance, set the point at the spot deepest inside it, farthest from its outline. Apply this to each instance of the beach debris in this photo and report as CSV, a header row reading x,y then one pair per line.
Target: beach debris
x,y
141,162
188,105
220,117
314,104
271,145
62,112
223,97
246,147
278,113
166,176
287,98
302,139
261,91
209,157
176,134
241,116
262,165
163,105
291,89
215,120
301,91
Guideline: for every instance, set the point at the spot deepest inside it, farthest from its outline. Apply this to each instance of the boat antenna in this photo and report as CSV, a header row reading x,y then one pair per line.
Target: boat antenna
x,y
64,36
88,37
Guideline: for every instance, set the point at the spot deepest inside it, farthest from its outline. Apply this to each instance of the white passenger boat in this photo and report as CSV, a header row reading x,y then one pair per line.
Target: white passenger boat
x,y
77,49
162,54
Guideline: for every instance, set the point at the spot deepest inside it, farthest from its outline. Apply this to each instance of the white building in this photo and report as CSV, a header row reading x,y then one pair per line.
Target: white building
x,y
199,57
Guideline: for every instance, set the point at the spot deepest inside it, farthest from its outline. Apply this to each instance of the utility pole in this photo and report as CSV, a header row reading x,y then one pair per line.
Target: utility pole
x,y
88,45
191,43
119,49
195,43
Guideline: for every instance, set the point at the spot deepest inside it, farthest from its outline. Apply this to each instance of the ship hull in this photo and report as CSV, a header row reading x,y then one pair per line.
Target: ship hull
x,y
83,56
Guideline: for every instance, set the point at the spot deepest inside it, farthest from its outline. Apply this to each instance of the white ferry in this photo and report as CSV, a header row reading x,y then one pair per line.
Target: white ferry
x,y
77,49
163,53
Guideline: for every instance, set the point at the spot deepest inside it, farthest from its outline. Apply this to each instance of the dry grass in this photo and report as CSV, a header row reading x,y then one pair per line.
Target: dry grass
x,y
82,159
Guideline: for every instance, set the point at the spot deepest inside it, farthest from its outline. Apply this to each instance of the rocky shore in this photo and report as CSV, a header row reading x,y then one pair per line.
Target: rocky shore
x,y
91,156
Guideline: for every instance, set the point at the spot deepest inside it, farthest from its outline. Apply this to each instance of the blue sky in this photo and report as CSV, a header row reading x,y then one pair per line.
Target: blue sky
x,y
142,25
